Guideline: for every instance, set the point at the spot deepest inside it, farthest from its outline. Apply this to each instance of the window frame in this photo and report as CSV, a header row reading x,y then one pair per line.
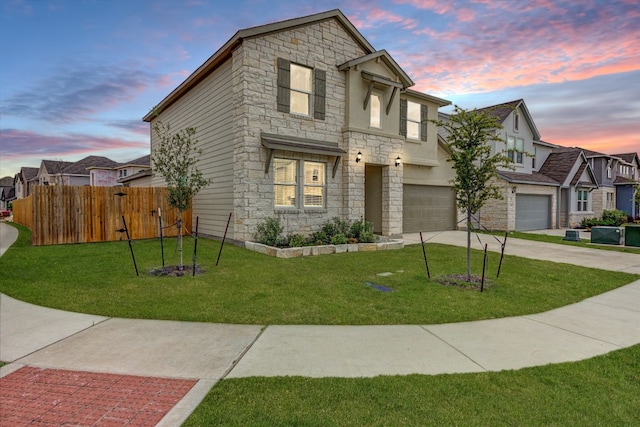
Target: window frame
x,y
377,96
583,200
417,122
513,153
300,184
308,94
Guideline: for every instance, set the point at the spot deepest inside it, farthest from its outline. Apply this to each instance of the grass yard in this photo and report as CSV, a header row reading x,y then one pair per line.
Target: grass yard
x,y
250,288
603,391
559,240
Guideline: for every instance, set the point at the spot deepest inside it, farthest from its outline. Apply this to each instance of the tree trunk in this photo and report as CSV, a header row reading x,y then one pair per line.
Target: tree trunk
x,y
468,245
179,224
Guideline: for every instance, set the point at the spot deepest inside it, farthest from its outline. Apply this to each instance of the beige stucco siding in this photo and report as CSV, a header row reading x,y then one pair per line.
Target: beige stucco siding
x,y
208,108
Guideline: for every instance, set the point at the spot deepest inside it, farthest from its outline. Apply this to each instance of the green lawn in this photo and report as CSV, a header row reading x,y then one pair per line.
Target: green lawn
x,y
559,240
603,391
251,288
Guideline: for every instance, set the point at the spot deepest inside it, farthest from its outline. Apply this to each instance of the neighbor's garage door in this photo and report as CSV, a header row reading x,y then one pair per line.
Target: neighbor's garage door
x,y
428,208
533,212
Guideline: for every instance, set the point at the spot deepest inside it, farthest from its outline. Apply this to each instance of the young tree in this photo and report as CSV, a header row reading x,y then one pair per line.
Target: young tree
x,y
469,136
175,159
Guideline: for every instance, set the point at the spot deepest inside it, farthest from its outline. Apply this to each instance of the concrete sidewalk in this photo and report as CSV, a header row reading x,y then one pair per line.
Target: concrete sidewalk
x,y
42,337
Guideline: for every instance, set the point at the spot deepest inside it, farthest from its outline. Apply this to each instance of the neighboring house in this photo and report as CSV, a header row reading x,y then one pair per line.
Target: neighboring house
x,y
305,121
142,178
7,191
548,187
627,183
24,181
55,172
112,174
605,168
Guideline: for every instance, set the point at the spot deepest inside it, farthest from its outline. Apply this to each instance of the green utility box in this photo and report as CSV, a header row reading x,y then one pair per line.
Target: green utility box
x,y
632,235
607,235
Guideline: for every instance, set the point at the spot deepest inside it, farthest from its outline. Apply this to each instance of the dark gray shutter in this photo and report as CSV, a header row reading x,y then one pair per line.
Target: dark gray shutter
x,y
284,78
424,123
320,93
403,117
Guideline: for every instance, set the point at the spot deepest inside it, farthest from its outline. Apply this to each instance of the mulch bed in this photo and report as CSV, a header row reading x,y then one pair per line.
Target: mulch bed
x,y
174,271
460,281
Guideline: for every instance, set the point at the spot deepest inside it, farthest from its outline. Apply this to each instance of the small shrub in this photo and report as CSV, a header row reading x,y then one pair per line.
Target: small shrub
x,y
297,240
614,217
339,239
319,238
363,231
269,232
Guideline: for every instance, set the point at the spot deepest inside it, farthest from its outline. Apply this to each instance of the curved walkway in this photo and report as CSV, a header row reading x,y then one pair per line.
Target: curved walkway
x,y
47,338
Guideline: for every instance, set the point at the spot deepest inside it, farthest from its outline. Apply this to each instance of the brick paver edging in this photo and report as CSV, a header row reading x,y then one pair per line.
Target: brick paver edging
x,y
54,397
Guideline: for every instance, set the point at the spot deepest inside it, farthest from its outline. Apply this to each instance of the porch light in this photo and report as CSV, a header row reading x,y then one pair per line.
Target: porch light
x,y
398,161
358,157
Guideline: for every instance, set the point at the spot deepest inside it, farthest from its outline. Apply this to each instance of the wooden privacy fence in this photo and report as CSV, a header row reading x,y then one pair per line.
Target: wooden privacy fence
x,y
69,214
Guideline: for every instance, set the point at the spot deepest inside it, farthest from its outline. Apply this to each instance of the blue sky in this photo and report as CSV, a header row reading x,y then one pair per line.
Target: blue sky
x,y
77,76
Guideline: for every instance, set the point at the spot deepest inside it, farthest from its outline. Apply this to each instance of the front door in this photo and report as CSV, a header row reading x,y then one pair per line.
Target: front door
x,y
373,196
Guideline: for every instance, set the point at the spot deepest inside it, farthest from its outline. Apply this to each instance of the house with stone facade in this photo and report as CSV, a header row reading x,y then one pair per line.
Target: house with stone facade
x,y
304,120
549,186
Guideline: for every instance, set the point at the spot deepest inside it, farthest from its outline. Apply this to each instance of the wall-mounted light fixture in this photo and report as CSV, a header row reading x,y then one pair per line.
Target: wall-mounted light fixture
x,y
398,161
358,157
514,189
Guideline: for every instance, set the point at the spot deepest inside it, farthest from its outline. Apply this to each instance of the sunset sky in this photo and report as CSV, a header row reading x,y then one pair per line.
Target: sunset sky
x,y
77,76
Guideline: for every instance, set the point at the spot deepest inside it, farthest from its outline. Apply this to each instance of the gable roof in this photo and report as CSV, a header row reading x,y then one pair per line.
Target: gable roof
x,y
6,181
225,51
387,59
528,178
55,166
26,174
80,167
560,163
504,110
628,157
140,161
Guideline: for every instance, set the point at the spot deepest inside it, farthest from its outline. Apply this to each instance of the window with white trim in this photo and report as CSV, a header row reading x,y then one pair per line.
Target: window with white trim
x,y
287,176
301,89
610,201
375,110
583,201
515,149
413,120
609,172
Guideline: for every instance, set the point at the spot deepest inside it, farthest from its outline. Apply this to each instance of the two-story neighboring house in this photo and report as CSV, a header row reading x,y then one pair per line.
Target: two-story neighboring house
x,y
58,172
110,174
24,181
626,182
548,187
604,167
305,121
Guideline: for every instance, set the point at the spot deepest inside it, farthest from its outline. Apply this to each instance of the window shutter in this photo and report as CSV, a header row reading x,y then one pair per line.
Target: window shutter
x,y
320,93
424,124
403,117
284,78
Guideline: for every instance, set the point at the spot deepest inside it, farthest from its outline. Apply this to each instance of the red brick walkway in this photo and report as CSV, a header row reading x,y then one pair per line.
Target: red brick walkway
x,y
50,397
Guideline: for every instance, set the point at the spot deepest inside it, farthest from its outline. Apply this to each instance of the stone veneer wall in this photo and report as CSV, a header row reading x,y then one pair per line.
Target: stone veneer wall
x,y
321,45
381,150
501,214
599,199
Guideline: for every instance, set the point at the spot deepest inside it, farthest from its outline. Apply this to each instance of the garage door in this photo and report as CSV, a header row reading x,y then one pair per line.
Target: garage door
x,y
533,212
428,208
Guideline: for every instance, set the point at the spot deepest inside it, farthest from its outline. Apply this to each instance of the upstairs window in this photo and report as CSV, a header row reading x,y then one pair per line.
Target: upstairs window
x,y
516,122
609,172
515,149
375,111
301,89
413,120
